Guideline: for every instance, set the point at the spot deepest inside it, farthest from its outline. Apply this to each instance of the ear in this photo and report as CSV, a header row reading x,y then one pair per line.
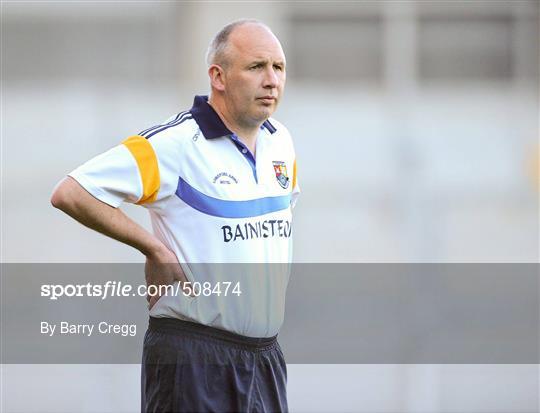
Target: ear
x,y
217,77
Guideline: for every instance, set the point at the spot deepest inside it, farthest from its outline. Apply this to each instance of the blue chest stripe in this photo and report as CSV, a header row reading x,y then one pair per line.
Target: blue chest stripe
x,y
230,209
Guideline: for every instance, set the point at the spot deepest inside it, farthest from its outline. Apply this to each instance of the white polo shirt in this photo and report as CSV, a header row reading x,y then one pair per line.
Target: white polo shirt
x,y
211,201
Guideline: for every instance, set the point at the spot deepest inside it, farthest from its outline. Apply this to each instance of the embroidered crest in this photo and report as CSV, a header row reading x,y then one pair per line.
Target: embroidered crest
x,y
280,168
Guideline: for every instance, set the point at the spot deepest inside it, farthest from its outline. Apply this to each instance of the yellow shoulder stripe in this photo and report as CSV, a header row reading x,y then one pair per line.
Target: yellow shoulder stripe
x,y
294,175
147,163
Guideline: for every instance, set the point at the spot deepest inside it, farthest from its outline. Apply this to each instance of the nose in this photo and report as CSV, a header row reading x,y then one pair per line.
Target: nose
x,y
271,79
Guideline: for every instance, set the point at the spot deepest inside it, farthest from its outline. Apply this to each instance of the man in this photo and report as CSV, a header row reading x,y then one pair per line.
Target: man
x,y
219,182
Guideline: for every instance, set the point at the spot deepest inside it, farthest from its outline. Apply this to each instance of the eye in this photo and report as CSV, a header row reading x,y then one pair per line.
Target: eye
x,y
257,66
278,67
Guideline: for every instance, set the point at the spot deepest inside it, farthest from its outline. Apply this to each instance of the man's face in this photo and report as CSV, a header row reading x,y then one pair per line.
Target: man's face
x,y
254,77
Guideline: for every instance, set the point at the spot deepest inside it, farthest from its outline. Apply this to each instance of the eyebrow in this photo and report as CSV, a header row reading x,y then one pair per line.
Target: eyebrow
x,y
265,61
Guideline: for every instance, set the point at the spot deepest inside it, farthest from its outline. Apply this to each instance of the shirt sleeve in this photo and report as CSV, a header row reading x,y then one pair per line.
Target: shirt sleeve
x,y
295,187
128,172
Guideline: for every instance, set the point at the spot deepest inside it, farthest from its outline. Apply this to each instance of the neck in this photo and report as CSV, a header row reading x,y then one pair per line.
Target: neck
x,y
246,133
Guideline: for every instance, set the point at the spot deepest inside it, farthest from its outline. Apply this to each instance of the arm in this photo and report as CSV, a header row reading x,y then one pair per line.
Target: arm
x,y
162,266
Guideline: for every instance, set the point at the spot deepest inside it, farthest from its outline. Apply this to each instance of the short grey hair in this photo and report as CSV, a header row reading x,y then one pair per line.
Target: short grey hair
x,y
216,50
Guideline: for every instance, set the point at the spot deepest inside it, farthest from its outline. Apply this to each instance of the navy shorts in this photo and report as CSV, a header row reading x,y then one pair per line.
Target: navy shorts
x,y
188,367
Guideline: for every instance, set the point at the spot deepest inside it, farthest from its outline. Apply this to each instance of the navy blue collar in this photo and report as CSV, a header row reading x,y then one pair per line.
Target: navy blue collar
x,y
209,121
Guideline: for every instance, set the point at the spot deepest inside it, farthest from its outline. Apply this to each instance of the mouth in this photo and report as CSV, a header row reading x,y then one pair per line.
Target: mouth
x,y
267,99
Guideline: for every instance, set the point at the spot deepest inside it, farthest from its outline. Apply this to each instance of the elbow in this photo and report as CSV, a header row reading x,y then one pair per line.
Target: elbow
x,y
60,196
58,199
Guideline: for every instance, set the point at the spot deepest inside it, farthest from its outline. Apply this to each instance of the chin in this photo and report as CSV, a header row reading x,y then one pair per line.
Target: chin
x,y
266,113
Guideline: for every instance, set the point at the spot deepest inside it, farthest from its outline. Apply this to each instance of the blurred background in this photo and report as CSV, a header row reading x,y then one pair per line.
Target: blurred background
x,y
416,131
